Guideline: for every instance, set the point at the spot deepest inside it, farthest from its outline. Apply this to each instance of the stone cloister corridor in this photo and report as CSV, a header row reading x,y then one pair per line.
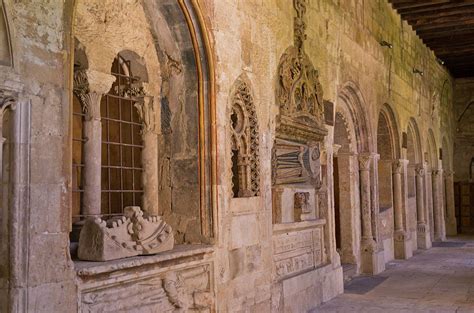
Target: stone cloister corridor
x,y
439,280
236,156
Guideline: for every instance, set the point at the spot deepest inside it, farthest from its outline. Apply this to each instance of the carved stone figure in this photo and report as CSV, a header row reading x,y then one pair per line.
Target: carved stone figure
x,y
125,236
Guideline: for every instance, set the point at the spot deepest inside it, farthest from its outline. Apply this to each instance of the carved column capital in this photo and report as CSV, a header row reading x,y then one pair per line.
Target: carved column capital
x,y
420,171
147,114
397,166
7,101
436,172
89,87
364,162
448,174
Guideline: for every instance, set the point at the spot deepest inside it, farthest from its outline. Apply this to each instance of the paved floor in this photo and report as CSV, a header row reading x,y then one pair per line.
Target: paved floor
x,y
437,280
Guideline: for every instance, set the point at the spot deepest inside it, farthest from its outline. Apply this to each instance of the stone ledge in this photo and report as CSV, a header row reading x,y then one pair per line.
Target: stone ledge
x,y
180,254
286,227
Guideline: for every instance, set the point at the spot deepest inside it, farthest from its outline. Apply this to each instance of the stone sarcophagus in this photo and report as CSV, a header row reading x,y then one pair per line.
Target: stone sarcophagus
x,y
180,280
125,236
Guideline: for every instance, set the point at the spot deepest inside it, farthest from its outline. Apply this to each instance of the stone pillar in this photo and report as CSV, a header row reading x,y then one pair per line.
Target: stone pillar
x,y
372,260
147,115
374,193
90,86
423,237
439,232
402,242
451,227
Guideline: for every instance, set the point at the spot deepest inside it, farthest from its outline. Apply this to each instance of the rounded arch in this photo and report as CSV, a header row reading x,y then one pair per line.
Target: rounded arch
x,y
414,147
431,155
388,137
350,106
446,157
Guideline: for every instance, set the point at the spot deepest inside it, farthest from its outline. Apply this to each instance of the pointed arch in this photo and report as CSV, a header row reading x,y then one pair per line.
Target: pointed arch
x,y
350,106
244,129
414,142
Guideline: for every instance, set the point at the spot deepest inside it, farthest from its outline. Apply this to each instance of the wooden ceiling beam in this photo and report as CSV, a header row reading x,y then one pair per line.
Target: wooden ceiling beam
x,y
468,21
417,4
454,19
466,10
448,37
448,51
428,33
452,44
434,7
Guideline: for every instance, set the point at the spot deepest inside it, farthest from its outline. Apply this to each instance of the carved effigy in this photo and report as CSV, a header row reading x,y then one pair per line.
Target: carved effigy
x,y
245,141
129,235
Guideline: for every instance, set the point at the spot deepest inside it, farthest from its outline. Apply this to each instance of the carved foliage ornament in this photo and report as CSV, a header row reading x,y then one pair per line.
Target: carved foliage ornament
x,y
245,140
7,100
299,92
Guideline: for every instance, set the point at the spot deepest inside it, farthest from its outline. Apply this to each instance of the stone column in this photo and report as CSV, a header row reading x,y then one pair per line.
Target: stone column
x,y
372,260
451,227
402,242
374,193
423,238
90,86
439,233
147,115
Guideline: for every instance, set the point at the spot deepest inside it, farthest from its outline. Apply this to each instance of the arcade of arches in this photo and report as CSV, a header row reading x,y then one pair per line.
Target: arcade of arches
x,y
221,156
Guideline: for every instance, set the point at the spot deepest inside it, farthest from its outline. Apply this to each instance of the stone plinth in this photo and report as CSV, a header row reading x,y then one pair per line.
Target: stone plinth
x,y
372,258
402,245
423,237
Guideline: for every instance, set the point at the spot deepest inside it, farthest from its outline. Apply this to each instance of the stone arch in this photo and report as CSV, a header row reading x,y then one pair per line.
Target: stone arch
x,y
414,146
388,137
351,137
431,153
351,104
179,67
6,54
245,149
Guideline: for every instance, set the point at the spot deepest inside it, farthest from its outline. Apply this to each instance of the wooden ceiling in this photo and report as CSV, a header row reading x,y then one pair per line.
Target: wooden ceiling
x,y
447,27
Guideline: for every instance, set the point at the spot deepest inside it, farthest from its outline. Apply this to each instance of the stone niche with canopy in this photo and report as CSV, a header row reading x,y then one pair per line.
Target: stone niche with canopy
x,y
298,229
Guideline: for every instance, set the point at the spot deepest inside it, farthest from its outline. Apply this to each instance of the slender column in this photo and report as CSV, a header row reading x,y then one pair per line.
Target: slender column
x,y
147,114
374,193
420,208
365,199
451,227
437,206
372,259
397,195
89,86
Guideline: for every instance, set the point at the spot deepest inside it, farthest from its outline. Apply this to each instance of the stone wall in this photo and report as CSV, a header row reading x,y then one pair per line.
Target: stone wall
x,y
247,37
464,133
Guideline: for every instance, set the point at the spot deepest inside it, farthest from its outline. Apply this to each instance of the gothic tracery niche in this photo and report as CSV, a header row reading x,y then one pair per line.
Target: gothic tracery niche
x,y
244,142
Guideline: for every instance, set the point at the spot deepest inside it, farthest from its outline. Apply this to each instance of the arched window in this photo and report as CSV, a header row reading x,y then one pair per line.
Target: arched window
x,y
121,179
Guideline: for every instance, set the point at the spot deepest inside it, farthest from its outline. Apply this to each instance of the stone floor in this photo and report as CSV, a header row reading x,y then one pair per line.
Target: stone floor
x,y
437,280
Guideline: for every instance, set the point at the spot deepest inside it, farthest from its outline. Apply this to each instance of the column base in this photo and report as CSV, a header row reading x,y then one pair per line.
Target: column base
x,y
451,228
423,237
372,258
402,245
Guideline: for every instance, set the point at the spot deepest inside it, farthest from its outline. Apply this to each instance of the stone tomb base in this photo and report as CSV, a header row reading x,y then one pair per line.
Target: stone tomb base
x,y
307,290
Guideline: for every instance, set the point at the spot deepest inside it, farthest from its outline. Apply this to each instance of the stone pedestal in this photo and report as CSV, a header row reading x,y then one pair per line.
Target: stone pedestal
x,y
423,237
402,245
372,259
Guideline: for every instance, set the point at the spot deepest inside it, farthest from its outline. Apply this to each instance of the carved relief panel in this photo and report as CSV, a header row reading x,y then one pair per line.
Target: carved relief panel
x,y
244,142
